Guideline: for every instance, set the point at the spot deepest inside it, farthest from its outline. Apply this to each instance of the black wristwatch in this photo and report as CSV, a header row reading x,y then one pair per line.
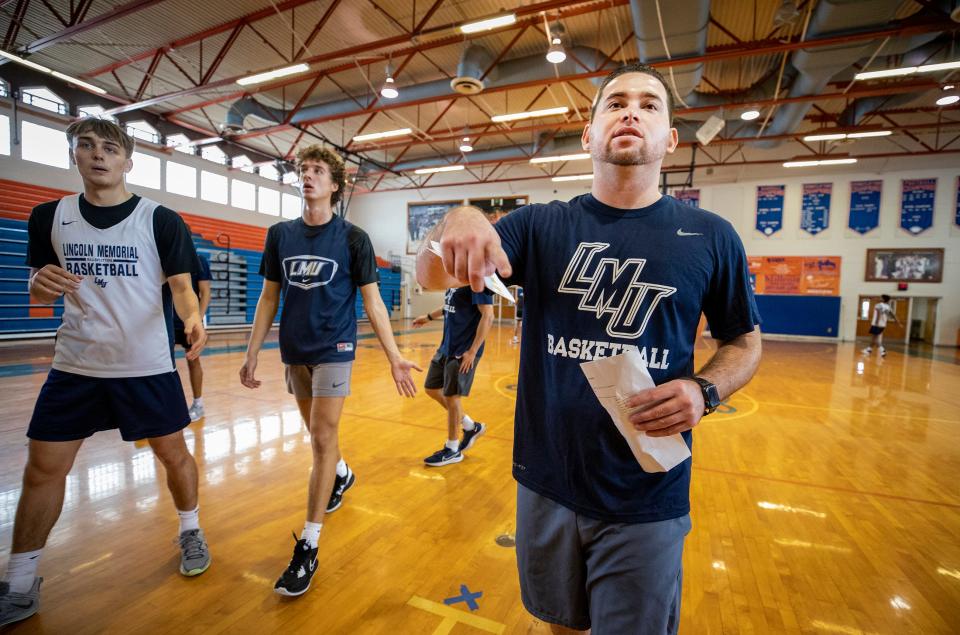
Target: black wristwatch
x,y
711,396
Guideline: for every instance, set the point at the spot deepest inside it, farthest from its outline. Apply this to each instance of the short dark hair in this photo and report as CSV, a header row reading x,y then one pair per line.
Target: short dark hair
x,y
636,67
885,297
333,161
103,128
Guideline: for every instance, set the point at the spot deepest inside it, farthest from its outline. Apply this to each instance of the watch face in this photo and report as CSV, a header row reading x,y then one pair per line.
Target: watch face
x,y
712,395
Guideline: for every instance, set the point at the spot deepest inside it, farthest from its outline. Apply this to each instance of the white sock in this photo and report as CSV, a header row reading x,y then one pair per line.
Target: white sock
x,y
22,569
467,423
452,445
198,401
311,533
189,519
342,468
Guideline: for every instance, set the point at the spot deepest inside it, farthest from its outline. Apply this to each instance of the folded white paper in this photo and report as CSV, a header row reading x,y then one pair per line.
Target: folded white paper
x,y
492,282
614,380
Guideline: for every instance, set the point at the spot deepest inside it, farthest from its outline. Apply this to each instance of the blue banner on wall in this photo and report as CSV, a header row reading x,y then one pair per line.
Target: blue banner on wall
x,y
956,218
815,207
916,204
690,197
769,209
864,205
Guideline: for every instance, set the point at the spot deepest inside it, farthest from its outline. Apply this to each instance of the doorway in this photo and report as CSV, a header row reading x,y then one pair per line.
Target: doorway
x,y
923,319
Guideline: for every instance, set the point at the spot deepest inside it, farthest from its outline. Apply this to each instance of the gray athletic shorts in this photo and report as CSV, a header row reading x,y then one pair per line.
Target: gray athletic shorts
x,y
322,380
615,578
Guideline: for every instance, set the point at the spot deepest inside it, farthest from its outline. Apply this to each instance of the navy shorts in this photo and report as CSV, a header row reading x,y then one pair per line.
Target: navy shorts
x,y
72,407
876,330
180,338
613,578
444,372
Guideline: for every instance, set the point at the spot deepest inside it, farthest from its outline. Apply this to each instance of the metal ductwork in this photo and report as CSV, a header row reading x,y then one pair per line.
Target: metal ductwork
x,y
684,34
815,68
558,145
471,67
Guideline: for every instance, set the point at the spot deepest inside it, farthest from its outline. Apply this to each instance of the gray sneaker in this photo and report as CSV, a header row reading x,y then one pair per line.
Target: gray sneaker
x,y
194,554
18,606
196,412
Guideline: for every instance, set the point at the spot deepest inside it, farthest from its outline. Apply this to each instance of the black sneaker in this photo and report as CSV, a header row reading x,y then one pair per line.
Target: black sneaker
x,y
444,456
296,579
340,485
470,436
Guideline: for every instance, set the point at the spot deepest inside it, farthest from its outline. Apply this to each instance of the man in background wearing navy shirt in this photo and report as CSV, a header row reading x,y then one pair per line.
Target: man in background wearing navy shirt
x,y
200,280
467,317
319,261
600,541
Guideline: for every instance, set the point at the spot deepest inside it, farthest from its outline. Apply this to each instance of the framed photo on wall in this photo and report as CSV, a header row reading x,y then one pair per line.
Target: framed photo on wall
x,y
421,217
904,265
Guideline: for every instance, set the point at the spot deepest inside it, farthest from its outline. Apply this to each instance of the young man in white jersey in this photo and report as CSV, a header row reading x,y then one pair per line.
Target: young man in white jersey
x,y
319,261
882,312
622,268
108,253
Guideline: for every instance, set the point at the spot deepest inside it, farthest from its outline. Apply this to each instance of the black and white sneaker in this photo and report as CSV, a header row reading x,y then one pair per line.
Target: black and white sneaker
x,y
340,485
18,606
443,456
470,436
296,579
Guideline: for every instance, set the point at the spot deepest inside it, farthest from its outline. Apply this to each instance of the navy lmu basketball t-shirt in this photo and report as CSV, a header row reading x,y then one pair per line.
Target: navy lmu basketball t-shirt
x,y
461,317
319,268
598,280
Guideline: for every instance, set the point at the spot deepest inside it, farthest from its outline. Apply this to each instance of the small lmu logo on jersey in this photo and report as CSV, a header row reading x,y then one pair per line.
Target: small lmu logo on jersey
x,y
308,272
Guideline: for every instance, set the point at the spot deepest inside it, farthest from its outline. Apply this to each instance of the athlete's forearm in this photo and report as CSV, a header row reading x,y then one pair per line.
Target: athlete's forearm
x,y
262,322
483,329
205,295
184,299
734,363
380,321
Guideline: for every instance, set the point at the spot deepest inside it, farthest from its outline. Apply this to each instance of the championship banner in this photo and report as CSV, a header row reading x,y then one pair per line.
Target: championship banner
x,y
916,204
864,206
795,275
770,209
815,207
690,197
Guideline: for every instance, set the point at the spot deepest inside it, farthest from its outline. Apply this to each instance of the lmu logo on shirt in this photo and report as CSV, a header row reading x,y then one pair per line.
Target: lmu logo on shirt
x,y
611,287
308,272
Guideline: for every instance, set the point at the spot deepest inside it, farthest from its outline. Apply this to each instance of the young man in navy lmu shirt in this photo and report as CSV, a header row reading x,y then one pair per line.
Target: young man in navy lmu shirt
x,y
599,541
319,261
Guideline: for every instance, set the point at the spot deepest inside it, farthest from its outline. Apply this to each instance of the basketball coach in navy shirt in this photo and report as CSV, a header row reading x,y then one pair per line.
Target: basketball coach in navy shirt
x,y
600,541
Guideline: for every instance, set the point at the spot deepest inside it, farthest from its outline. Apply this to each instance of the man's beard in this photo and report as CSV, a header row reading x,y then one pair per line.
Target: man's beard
x,y
643,155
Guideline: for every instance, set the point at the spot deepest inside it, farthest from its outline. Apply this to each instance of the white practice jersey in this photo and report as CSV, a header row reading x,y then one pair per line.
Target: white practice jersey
x,y
114,325
881,313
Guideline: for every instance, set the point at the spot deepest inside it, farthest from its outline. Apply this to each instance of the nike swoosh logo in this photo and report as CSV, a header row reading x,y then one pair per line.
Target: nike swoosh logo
x,y
340,384
68,222
680,232
313,565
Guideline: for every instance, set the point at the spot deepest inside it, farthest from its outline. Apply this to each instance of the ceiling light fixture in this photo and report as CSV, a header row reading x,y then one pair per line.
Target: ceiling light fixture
x,y
465,145
516,116
259,78
488,24
949,100
749,115
869,133
389,89
836,136
574,177
445,168
382,135
816,162
555,52
908,70
57,74
561,157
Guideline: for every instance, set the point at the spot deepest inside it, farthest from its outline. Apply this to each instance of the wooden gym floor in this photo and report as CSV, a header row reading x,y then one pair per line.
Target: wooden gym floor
x,y
825,500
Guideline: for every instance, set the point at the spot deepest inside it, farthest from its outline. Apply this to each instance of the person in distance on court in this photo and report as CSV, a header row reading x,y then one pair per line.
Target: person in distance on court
x,y
319,261
621,268
108,253
882,312
200,279
467,317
